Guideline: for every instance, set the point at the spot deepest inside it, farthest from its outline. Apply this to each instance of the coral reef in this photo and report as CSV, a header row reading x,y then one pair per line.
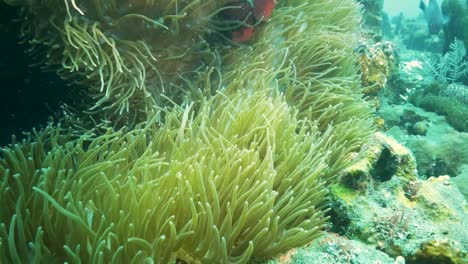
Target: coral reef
x,y
450,68
420,220
378,63
407,78
455,91
435,85
456,12
333,248
381,158
432,99
439,151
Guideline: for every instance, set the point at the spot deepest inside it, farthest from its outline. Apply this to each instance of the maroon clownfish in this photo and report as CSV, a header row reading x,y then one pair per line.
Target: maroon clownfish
x,y
262,9
252,12
243,35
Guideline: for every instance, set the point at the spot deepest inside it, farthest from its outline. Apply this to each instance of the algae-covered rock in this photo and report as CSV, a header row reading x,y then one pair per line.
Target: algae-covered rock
x,y
378,62
335,249
379,160
439,151
461,180
456,112
422,220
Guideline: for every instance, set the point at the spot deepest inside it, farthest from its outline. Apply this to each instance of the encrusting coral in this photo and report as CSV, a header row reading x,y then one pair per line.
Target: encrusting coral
x,y
220,179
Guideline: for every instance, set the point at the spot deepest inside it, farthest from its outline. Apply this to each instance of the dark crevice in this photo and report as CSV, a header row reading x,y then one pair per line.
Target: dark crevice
x,y
29,94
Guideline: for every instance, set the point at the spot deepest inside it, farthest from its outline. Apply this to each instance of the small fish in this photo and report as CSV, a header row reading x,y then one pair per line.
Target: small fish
x,y
433,15
251,13
262,9
242,35
239,11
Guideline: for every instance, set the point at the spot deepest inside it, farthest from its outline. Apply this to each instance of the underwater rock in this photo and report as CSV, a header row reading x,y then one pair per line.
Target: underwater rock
x,y
335,249
414,123
440,151
446,103
379,160
406,79
419,128
456,91
434,84
422,220
461,180
377,63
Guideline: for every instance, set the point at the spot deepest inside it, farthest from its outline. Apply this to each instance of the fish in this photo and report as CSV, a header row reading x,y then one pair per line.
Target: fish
x,y
251,13
243,35
239,11
432,14
262,9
